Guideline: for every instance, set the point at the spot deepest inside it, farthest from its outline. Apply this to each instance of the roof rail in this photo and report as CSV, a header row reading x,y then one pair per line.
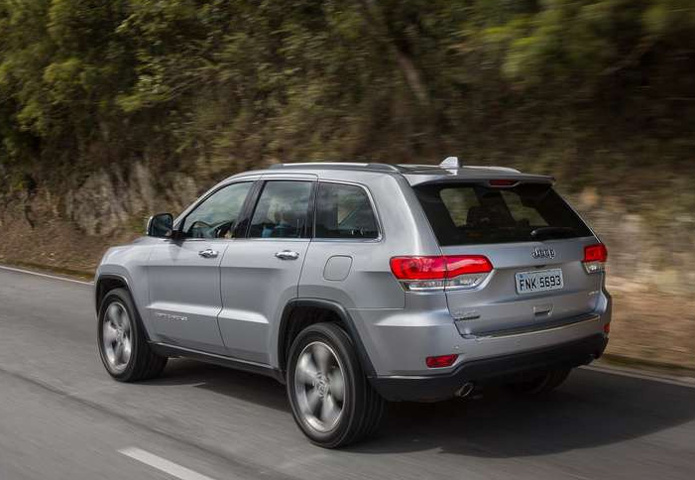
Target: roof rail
x,y
379,167
417,166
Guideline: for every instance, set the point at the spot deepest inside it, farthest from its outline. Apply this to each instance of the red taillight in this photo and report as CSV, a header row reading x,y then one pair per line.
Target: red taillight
x,y
607,328
441,361
466,264
595,257
419,268
595,253
438,267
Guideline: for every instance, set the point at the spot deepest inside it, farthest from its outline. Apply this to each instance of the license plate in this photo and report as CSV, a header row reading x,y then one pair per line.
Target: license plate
x,y
542,281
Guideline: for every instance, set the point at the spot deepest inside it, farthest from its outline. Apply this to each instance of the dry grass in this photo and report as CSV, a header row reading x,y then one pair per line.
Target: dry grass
x,y
654,328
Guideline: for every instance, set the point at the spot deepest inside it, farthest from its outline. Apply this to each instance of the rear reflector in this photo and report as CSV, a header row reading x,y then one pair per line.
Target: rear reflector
x,y
441,361
595,257
438,267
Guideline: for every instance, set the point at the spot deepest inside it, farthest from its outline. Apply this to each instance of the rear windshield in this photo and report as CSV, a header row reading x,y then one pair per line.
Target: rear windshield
x,y
465,214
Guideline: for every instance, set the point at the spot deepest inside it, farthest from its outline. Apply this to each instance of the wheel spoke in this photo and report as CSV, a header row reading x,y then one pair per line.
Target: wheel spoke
x,y
114,315
126,325
110,334
127,350
313,399
123,318
306,370
322,356
337,384
118,353
329,410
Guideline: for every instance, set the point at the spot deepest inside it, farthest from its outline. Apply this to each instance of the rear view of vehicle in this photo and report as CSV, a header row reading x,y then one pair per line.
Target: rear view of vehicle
x,y
523,278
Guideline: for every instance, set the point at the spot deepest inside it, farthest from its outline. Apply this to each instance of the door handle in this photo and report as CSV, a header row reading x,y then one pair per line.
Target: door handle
x,y
287,255
208,253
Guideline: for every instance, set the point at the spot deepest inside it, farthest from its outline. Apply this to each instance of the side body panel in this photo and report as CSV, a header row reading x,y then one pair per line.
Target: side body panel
x,y
256,286
185,299
259,277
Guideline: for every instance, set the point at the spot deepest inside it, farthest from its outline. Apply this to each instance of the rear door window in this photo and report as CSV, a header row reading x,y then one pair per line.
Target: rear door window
x,y
465,214
282,210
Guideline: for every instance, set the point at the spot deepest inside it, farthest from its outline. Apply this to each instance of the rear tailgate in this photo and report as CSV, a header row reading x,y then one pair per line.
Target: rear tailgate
x,y
536,244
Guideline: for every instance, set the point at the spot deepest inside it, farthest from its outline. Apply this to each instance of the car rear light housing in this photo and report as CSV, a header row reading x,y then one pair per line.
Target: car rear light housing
x,y
595,257
427,273
442,361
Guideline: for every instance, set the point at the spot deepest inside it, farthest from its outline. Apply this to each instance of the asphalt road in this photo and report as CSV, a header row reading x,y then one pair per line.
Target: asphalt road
x,y
62,417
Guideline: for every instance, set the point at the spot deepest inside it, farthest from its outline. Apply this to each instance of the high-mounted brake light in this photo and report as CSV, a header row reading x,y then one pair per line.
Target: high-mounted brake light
x,y
503,182
436,272
595,257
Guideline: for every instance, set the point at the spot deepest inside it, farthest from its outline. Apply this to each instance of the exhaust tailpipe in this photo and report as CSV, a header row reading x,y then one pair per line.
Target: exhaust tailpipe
x,y
465,390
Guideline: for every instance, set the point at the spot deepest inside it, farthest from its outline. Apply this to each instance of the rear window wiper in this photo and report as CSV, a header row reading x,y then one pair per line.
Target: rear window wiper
x,y
553,232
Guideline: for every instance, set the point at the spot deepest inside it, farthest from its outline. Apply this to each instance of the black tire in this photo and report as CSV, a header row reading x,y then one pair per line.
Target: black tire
x,y
541,384
362,407
143,363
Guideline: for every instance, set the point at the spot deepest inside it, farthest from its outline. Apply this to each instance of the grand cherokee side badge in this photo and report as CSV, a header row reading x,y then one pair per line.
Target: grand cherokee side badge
x,y
170,316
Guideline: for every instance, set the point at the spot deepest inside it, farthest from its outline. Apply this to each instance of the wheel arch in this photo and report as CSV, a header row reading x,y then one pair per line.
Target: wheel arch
x,y
105,283
111,281
339,312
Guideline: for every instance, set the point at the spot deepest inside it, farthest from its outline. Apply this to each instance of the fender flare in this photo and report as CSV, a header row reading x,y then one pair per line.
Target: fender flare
x,y
345,318
124,280
97,287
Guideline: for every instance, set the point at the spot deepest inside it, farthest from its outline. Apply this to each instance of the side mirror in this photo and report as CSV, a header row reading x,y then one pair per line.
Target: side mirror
x,y
160,225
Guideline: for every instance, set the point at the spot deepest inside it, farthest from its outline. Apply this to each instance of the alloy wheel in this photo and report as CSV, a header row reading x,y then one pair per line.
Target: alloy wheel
x,y
319,386
117,337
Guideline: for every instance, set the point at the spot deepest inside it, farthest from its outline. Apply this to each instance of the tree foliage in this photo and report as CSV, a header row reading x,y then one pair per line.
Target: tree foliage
x,y
227,83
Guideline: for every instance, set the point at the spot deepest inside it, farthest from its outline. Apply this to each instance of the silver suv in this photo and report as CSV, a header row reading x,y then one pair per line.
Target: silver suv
x,y
357,284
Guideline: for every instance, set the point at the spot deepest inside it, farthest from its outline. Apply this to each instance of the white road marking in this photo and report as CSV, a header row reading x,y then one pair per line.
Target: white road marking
x,y
162,464
624,372
45,275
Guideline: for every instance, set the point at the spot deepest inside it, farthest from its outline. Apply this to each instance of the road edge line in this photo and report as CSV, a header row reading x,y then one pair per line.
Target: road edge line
x,y
687,382
45,275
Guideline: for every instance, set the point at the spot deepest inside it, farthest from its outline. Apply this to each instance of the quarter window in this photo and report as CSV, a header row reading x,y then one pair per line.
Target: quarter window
x,y
282,210
216,217
344,211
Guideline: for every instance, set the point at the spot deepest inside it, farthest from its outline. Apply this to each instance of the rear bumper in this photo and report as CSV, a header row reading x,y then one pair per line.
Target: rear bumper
x,y
494,369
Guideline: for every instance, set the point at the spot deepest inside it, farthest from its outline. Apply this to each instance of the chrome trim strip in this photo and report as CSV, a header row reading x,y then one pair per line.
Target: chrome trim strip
x,y
212,356
559,324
